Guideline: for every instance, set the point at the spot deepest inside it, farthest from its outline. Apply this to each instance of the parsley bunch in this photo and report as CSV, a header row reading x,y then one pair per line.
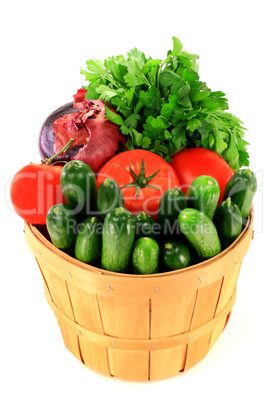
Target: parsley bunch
x,y
162,105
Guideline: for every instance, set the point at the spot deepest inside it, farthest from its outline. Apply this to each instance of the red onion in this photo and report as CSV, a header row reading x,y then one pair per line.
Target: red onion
x,y
96,139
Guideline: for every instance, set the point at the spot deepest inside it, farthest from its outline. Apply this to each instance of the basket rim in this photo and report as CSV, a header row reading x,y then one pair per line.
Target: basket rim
x,y
91,269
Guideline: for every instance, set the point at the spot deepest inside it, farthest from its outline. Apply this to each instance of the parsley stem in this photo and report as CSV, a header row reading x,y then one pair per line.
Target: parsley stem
x,y
147,82
160,69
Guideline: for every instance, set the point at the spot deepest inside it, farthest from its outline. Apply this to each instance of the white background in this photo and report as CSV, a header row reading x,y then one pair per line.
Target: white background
x,y
44,45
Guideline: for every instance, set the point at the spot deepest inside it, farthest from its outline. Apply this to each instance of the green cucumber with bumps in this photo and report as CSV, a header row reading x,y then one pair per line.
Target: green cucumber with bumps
x,y
203,194
109,197
145,256
241,187
145,226
200,232
172,202
118,235
175,255
79,187
88,242
61,224
228,222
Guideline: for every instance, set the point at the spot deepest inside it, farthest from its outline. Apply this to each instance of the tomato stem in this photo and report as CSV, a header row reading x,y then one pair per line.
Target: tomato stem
x,y
64,149
141,180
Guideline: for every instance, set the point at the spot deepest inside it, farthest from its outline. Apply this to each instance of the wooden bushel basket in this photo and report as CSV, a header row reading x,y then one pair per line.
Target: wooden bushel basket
x,y
139,327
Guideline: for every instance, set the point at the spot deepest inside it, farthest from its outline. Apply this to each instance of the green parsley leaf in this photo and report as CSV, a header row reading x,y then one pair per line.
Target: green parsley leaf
x,y
151,99
163,106
177,46
114,117
183,96
193,124
137,137
106,92
232,154
179,136
169,77
133,80
95,66
146,142
132,120
160,148
155,127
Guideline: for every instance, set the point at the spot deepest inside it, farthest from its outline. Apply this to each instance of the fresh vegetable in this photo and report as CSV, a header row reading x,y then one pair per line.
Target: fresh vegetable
x,y
143,178
109,197
163,106
145,256
228,222
35,188
191,163
171,204
200,232
96,139
203,194
145,226
79,187
117,240
242,188
88,242
175,255
62,225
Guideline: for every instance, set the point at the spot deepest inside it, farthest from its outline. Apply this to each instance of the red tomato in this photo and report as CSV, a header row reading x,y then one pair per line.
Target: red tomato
x,y
193,162
118,169
34,189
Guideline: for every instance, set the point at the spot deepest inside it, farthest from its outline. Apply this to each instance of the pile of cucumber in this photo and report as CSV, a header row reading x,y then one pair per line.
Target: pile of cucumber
x,y
189,229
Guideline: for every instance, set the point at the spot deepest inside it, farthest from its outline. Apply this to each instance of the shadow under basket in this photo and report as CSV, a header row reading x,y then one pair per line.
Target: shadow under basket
x,y
140,328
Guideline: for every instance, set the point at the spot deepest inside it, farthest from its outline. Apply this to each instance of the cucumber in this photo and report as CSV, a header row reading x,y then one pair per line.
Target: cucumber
x,y
200,232
175,255
88,242
145,256
61,224
171,204
203,194
109,197
241,187
79,188
118,237
145,226
228,222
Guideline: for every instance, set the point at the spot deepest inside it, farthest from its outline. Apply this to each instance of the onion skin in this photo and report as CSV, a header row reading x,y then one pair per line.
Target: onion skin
x,y
46,136
96,139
